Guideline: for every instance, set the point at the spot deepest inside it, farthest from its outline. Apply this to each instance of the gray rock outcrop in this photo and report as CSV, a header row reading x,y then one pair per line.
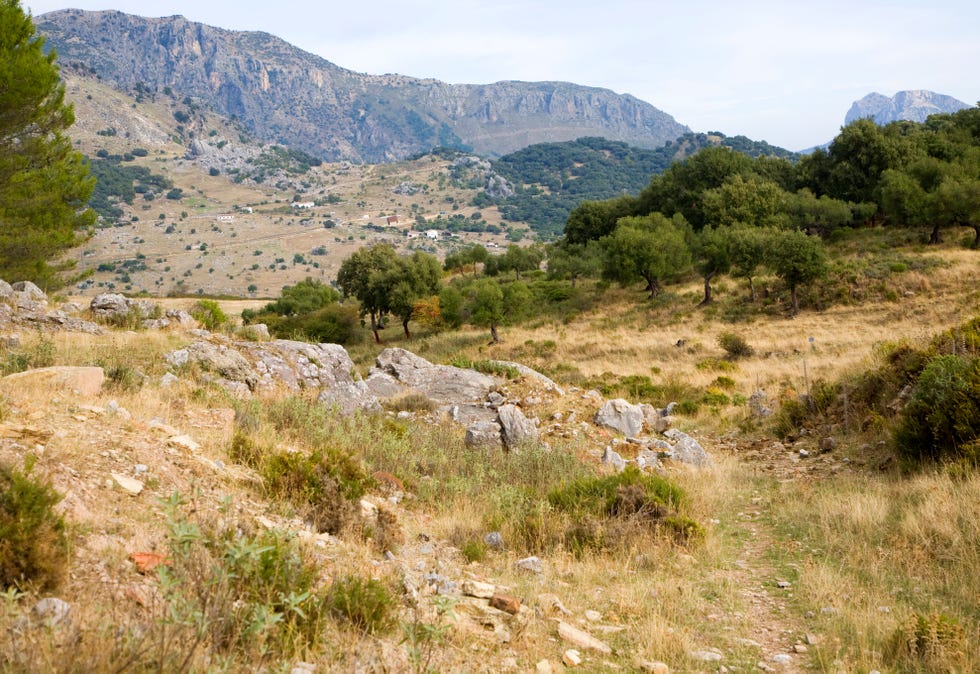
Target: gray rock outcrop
x,y
439,383
687,450
621,416
516,429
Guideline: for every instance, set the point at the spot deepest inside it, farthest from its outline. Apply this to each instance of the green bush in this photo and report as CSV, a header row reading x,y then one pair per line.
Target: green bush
x,y
209,314
608,512
33,545
735,345
366,604
250,594
941,421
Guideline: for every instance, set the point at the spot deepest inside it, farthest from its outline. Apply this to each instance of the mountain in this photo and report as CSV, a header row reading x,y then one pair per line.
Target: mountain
x,y
913,105
285,95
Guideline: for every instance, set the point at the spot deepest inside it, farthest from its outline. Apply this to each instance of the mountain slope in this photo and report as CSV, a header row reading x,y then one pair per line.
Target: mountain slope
x,y
285,95
913,105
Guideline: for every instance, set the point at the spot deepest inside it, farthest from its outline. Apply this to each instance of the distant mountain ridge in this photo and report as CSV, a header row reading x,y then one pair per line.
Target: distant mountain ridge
x,y
914,105
286,95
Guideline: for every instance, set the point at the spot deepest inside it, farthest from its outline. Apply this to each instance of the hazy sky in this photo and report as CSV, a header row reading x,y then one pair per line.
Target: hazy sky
x,y
781,71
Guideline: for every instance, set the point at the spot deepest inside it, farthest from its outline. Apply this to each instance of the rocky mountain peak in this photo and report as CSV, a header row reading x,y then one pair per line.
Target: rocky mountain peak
x,y
913,105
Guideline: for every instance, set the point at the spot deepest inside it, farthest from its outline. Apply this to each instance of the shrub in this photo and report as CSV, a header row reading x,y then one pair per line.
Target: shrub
x,y
365,604
33,545
209,314
250,594
606,512
935,641
735,345
942,418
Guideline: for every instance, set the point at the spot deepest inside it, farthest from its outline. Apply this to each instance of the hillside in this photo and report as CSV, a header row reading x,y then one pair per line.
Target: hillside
x,y
230,227
550,179
282,94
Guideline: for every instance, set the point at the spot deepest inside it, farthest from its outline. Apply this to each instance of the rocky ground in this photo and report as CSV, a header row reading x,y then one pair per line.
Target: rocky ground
x,y
115,457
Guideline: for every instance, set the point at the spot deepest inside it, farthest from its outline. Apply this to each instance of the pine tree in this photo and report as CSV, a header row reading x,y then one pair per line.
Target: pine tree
x,y
44,183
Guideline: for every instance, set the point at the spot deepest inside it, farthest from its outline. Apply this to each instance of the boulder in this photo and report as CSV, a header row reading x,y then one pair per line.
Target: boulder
x,y
612,458
440,383
299,364
29,291
619,415
6,290
483,435
85,381
687,450
530,373
515,428
109,305
220,359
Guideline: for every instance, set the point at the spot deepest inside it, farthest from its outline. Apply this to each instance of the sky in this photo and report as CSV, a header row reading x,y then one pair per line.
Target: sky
x,y
782,71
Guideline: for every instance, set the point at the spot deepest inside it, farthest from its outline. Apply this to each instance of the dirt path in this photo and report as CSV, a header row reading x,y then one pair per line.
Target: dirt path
x,y
766,593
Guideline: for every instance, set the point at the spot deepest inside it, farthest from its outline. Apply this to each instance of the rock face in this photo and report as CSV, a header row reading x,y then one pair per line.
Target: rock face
x,y
913,105
335,113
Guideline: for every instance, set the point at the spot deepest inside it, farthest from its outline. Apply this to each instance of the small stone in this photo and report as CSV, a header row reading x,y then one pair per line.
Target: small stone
x,y
649,667
799,648
184,442
812,639
147,561
168,380
51,611
828,610
506,603
544,667
474,588
303,668
571,658
706,656
581,638
494,540
782,658
128,484
784,584
804,454
550,603
369,511
828,444
593,616
531,564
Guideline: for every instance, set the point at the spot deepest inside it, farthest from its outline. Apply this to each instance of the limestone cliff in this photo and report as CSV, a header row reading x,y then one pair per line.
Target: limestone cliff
x,y
285,95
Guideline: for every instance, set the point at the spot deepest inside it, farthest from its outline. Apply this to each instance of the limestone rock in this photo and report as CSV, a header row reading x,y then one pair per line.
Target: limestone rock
x,y
129,485
687,450
582,639
532,564
51,611
223,360
85,381
300,365
571,658
483,435
619,415
109,305
350,397
29,291
441,383
474,588
613,459
516,429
